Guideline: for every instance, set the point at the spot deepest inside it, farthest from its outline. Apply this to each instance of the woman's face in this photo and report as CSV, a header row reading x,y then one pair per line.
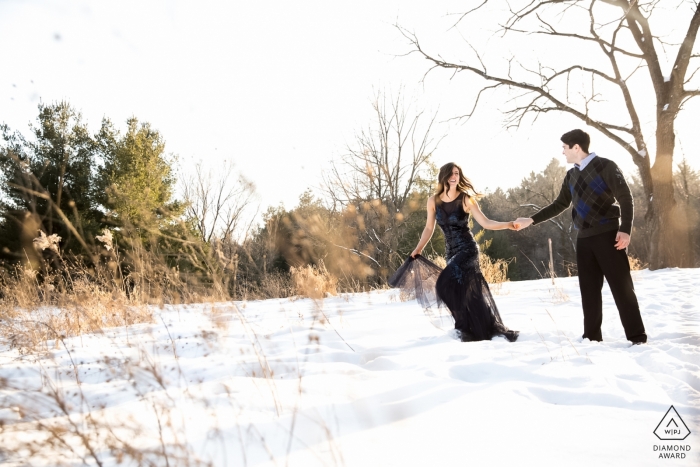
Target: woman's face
x,y
454,178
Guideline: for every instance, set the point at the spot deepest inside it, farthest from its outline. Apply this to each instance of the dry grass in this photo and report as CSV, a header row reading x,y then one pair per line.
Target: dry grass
x,y
439,261
59,423
51,297
274,285
62,424
636,264
37,307
495,271
314,281
558,294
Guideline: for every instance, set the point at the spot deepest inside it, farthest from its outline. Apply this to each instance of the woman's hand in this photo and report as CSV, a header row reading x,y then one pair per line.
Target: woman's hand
x,y
416,252
522,223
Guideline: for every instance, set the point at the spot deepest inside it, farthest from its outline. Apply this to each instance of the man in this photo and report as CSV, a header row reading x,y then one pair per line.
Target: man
x,y
602,214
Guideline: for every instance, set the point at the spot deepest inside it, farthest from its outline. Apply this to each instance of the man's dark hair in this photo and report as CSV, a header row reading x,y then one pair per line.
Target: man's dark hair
x,y
579,137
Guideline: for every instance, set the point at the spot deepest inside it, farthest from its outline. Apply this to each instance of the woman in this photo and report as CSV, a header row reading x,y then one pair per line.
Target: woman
x,y
460,286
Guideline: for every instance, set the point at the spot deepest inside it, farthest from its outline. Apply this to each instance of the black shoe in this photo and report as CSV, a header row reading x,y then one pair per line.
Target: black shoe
x,y
639,339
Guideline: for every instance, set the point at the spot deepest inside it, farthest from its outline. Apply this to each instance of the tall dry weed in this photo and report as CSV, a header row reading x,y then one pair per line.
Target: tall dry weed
x,y
274,285
495,271
38,307
61,424
314,281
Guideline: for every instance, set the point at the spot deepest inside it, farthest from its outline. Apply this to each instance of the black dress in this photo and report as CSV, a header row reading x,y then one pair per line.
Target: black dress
x,y
461,285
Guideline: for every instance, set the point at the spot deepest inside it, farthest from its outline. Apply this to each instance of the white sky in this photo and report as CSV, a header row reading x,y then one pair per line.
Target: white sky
x,y
278,87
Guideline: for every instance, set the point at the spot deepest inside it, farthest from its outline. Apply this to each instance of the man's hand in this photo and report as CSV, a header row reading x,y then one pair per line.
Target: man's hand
x,y
622,240
522,222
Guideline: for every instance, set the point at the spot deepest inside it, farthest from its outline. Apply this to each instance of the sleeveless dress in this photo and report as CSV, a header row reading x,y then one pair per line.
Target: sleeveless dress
x,y
461,286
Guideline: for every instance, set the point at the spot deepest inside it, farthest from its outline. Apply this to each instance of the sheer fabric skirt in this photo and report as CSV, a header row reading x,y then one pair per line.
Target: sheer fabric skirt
x,y
461,288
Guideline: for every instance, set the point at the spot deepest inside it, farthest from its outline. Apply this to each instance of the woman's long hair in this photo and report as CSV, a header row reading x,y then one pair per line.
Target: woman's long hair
x,y
464,185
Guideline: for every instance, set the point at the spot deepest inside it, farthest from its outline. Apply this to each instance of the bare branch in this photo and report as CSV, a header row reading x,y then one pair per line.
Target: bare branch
x,y
639,27
358,253
583,68
386,159
692,75
529,10
558,103
476,103
688,94
217,202
464,15
626,94
551,31
685,51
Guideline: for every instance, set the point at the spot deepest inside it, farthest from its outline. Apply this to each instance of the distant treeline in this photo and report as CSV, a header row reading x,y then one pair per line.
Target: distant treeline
x,y
115,202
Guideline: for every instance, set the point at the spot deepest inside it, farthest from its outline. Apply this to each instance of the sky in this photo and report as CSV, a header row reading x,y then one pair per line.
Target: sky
x,y
279,88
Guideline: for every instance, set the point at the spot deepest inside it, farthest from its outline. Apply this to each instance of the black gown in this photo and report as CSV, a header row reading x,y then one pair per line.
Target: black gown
x,y
461,286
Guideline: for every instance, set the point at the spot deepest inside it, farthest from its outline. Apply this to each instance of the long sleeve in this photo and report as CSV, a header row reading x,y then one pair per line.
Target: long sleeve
x,y
559,205
616,181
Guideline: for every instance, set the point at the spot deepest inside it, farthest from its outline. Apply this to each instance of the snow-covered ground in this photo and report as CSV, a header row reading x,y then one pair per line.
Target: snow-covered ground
x,y
367,379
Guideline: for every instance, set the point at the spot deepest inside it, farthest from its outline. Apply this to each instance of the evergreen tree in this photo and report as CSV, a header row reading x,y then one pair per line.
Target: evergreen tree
x,y
137,180
48,182
65,181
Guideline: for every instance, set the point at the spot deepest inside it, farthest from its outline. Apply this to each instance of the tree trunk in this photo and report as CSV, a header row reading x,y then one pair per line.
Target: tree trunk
x,y
669,243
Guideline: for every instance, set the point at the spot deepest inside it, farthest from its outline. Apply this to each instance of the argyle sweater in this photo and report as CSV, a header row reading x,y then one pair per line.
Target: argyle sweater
x,y
601,198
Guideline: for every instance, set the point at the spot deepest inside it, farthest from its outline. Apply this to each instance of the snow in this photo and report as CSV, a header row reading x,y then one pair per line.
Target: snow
x,y
367,379
665,108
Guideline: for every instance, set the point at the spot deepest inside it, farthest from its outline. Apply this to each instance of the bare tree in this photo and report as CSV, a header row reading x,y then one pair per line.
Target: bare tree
x,y
386,159
625,44
382,169
217,202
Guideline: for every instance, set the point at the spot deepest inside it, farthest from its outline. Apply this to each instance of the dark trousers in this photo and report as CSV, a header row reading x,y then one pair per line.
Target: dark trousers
x,y
597,257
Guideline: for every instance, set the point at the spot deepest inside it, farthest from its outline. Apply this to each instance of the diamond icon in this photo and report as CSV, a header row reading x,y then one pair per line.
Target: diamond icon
x,y
671,427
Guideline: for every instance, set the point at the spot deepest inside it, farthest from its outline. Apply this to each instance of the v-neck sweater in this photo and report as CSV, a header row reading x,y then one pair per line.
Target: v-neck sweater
x,y
601,197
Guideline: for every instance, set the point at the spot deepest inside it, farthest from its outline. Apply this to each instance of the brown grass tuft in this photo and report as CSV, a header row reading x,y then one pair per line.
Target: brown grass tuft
x,y
495,271
314,281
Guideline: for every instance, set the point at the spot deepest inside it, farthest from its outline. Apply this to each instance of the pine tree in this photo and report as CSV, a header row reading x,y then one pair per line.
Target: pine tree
x,y
48,182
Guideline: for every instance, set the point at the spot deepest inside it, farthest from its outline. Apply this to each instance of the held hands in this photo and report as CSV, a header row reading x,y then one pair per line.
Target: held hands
x,y
622,240
521,223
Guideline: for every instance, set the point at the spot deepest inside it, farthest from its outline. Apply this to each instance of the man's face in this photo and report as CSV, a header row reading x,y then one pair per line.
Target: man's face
x,y
571,154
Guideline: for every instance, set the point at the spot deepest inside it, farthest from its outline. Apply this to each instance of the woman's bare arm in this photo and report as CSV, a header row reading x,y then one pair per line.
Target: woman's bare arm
x,y
429,228
471,206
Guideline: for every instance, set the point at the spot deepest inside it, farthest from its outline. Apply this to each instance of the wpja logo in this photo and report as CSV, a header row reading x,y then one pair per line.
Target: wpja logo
x,y
672,428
